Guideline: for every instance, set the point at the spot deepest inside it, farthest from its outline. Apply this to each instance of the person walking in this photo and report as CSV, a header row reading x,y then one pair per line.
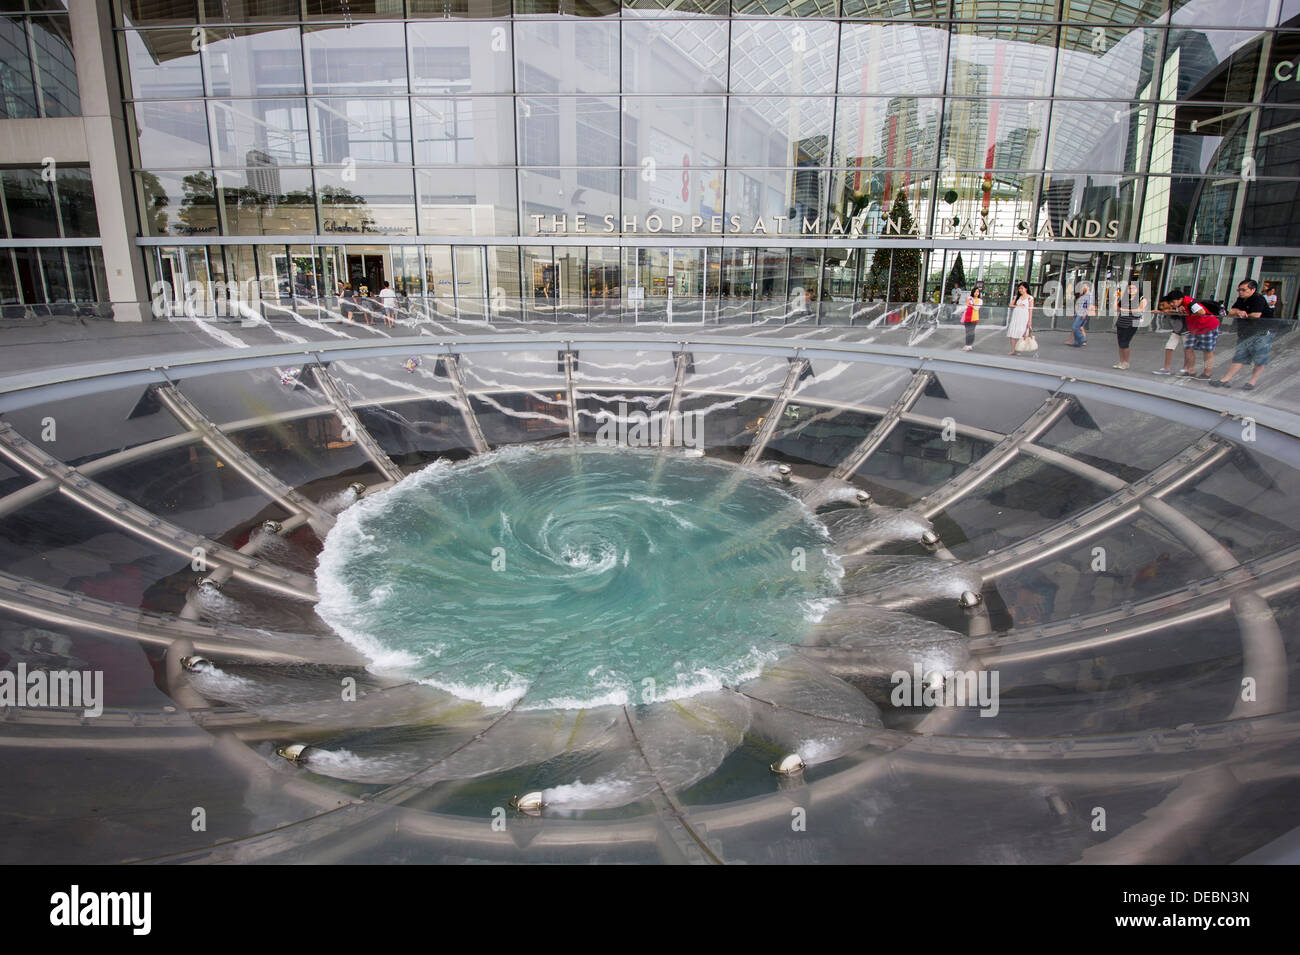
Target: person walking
x,y
1256,330
1020,324
1083,310
971,316
388,302
1130,310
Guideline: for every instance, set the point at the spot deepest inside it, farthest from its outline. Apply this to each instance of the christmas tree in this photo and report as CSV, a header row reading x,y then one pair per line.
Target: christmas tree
x,y
956,277
900,268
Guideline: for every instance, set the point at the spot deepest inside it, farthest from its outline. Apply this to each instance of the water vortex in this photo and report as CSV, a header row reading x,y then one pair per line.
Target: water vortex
x,y
575,577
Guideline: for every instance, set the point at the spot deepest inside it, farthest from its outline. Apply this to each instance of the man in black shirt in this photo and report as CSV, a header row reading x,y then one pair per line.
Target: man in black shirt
x,y
1255,333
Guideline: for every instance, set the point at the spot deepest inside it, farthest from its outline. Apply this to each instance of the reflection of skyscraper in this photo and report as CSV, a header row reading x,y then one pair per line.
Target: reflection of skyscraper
x,y
966,133
806,194
263,173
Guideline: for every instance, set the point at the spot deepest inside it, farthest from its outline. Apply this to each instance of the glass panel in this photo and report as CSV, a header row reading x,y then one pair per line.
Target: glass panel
x,y
379,201
1001,59
1252,13
473,130
1121,11
267,201
76,201
1086,207
358,58
361,130
892,58
861,201
57,67
172,135
1107,137
57,286
482,9
177,203
82,273
467,202
1114,62
241,11
899,132
505,299
471,290
583,55
17,89
245,61
896,9
30,203
674,56
452,57
545,199
1215,65
994,134
570,131
163,64
778,132
676,131
263,132
775,56
776,201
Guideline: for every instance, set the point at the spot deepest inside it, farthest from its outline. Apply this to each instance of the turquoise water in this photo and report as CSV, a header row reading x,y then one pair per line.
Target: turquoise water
x,y
571,577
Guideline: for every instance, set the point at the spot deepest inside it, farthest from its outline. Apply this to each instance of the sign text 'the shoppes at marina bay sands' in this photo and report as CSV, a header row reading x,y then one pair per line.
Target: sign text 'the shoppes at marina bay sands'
x,y
856,226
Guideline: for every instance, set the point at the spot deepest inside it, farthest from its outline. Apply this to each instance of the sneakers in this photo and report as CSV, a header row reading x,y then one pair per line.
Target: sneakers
x,y
1162,371
967,347
1184,373
1121,365
1220,383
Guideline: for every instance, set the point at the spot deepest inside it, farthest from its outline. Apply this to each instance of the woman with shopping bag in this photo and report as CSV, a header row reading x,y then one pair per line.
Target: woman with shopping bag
x,y
971,316
1020,329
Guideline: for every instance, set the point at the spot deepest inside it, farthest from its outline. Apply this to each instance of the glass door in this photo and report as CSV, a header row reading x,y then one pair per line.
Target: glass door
x,y
686,290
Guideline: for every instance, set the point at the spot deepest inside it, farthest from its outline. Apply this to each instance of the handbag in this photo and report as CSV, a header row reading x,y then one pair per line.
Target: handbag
x,y
1027,345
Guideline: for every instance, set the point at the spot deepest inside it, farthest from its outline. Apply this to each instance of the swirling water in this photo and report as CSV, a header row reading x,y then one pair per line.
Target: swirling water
x,y
568,577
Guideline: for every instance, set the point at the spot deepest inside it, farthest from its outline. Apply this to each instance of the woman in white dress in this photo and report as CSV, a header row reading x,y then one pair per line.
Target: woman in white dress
x,y
1022,308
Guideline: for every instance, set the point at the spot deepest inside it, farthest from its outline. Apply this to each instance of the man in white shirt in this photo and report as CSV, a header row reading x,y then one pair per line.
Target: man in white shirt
x,y
388,301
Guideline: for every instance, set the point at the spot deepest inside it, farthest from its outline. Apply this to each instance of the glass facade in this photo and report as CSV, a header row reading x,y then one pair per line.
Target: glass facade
x,y
38,75
840,130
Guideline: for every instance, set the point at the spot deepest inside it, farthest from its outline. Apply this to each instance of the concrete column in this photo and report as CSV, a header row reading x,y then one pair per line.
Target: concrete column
x,y
104,121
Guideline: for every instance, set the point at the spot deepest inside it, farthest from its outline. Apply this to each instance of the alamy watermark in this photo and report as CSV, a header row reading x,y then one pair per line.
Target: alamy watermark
x,y
68,689
650,429
946,688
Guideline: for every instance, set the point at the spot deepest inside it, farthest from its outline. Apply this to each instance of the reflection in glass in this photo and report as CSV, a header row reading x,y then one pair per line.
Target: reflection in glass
x,y
1116,63
467,201
775,56
361,58
775,201
567,56
1108,137
553,200
177,203
251,61
994,134
459,57
475,130
900,132
989,204
366,199
267,200
163,63
892,58
674,56
1215,65
1001,59
259,132
172,135
861,200
56,66
674,131
19,90
29,202
361,130
1093,207
569,131
76,201
775,131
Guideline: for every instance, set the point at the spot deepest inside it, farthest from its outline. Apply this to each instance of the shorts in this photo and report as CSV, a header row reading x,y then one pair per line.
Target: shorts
x,y
1174,341
1253,350
1125,334
1202,342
